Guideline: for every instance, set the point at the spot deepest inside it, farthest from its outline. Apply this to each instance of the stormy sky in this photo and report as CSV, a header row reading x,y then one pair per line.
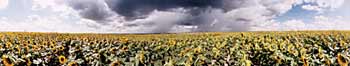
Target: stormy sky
x,y
163,16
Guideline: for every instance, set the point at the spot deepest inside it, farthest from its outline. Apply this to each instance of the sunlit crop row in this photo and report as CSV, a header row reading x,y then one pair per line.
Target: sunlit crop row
x,y
308,48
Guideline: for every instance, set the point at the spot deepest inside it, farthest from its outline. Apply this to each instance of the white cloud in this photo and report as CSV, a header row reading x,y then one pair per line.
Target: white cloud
x,y
54,5
311,8
61,19
282,6
318,23
322,5
3,4
293,25
37,23
330,23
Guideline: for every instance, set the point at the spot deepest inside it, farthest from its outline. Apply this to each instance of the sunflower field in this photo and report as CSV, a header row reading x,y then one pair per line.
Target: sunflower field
x,y
293,48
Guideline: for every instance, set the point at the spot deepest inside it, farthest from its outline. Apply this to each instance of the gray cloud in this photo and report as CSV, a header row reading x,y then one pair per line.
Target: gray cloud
x,y
135,8
91,9
165,15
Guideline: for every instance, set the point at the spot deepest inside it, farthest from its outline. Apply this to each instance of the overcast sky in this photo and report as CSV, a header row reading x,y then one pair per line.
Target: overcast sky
x,y
148,16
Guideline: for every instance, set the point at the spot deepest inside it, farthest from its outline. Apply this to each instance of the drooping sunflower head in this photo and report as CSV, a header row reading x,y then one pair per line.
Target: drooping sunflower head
x,y
18,49
28,61
305,62
328,62
116,63
6,61
62,59
342,61
73,64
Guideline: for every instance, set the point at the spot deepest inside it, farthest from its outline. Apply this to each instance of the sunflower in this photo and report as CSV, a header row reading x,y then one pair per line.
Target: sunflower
x,y
304,61
26,49
113,50
18,49
8,44
6,61
73,64
328,62
55,51
272,47
292,51
35,48
172,42
28,61
341,60
141,56
116,63
45,43
342,43
52,46
62,59
124,40
25,44
320,52
198,50
61,48
278,59
125,48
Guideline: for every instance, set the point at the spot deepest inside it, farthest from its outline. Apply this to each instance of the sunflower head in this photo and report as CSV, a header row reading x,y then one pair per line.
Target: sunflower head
x,y
172,42
52,46
113,50
278,59
62,59
342,61
61,48
55,51
18,48
305,63
6,61
28,61
36,48
73,64
141,56
328,62
124,40
8,44
342,43
116,63
198,50
124,48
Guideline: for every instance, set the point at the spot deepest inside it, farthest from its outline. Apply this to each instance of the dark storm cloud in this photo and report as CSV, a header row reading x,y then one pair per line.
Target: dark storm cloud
x,y
134,8
163,15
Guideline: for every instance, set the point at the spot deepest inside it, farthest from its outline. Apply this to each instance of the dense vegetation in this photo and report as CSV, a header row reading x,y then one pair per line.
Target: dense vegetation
x,y
307,48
